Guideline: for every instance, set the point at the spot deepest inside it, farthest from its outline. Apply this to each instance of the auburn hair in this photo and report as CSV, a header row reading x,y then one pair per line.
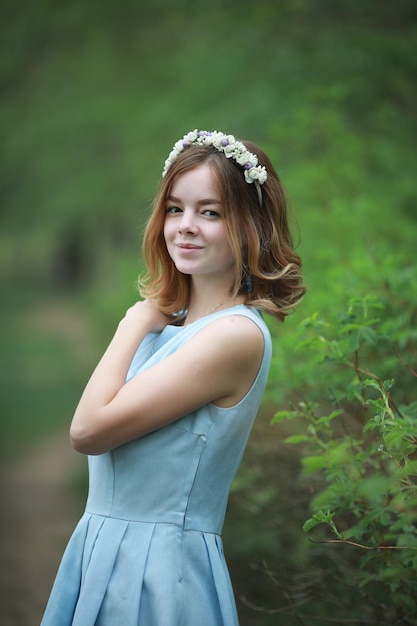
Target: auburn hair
x,y
267,268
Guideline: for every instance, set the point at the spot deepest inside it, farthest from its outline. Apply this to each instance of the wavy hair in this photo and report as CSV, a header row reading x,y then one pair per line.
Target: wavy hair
x,y
259,236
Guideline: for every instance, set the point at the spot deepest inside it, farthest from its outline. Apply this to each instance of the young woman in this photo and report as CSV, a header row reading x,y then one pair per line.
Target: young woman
x,y
167,413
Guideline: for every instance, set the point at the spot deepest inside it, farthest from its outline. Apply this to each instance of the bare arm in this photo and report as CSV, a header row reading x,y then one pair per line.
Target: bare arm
x,y
217,365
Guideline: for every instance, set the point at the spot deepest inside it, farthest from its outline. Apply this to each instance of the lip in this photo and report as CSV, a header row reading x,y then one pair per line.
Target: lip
x,y
188,246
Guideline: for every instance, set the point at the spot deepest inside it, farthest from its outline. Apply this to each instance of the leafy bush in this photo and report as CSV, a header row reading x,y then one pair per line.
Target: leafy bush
x,y
360,444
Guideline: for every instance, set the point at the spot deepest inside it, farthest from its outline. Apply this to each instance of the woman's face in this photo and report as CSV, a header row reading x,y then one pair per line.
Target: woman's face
x,y
195,229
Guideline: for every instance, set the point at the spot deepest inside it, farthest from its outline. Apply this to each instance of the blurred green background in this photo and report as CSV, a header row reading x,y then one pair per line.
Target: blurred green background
x,y
94,95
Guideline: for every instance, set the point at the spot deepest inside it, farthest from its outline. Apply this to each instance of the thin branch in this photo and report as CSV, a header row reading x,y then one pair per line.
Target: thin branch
x,y
404,362
363,547
392,405
284,611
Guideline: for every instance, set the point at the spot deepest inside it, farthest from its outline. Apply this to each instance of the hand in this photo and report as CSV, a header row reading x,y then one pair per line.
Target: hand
x,y
147,312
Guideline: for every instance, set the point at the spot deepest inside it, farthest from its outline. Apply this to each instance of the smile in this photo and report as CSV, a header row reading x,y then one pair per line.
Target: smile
x,y
187,247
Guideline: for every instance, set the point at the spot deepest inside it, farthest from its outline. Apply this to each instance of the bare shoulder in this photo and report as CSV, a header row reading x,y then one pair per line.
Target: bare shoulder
x,y
239,324
234,334
233,346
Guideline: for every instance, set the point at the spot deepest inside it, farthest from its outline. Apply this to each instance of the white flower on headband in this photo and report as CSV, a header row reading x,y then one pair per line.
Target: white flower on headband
x,y
226,144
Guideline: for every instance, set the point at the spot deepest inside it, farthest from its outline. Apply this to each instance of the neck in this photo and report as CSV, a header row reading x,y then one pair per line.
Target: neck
x,y
209,299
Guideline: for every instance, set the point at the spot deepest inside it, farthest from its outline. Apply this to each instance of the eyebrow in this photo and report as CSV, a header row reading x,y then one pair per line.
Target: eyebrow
x,y
202,202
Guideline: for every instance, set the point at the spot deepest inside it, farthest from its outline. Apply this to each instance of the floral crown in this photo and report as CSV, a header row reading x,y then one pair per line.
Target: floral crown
x,y
226,144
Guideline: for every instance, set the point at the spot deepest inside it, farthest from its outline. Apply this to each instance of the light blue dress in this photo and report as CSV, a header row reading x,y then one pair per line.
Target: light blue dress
x,y
148,550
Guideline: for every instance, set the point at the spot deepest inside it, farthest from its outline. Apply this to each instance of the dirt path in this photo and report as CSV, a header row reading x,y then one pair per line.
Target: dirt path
x,y
40,506
39,512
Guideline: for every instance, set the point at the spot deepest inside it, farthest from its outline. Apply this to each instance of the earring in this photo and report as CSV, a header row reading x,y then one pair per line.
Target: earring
x,y
246,279
248,284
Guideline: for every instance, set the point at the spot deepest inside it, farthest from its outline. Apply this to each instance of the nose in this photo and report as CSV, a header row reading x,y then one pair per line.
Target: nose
x,y
187,223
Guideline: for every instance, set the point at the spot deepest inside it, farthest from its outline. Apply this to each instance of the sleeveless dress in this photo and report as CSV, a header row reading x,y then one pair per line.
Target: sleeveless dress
x,y
148,550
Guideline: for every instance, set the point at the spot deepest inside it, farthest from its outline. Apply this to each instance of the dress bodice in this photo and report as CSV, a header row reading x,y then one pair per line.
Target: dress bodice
x,y
181,473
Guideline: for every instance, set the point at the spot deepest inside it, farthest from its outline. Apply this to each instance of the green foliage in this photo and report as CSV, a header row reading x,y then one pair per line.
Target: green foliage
x,y
111,88
47,354
360,444
93,97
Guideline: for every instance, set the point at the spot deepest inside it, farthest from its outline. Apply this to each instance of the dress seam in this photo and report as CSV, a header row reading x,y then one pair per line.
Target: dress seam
x,y
133,521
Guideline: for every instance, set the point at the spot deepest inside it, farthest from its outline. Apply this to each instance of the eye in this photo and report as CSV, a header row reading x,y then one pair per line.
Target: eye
x,y
211,213
173,209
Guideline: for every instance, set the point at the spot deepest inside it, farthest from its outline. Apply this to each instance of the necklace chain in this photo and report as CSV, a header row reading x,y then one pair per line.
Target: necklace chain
x,y
220,305
217,307
183,316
